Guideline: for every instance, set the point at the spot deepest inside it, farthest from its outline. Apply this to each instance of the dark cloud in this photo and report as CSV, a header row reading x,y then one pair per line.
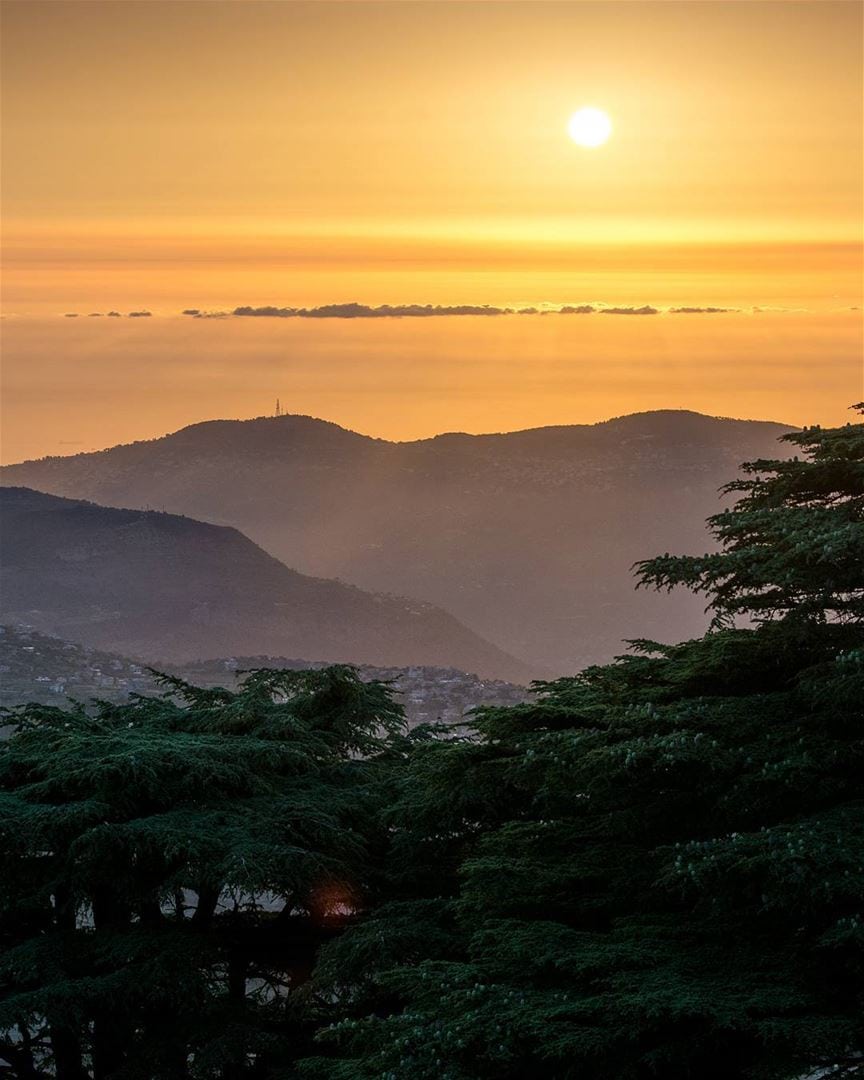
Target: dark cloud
x,y
266,312
364,311
71,315
700,310
114,315
190,311
95,315
139,314
646,310
578,309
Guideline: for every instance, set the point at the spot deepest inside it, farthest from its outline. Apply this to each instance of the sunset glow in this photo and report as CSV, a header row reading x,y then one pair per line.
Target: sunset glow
x,y
304,154
431,532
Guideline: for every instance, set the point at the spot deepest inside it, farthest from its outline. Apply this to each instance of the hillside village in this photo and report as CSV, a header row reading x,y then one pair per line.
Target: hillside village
x,y
38,667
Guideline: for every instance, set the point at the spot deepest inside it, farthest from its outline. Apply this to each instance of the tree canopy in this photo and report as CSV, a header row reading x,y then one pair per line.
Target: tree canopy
x,y
171,866
793,544
659,865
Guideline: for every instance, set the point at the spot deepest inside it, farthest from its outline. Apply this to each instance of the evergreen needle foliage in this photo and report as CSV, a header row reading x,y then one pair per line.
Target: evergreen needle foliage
x,y
171,866
792,545
657,869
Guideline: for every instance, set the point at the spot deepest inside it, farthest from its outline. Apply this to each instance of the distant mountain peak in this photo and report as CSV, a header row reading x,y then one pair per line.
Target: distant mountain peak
x,y
283,423
683,416
669,426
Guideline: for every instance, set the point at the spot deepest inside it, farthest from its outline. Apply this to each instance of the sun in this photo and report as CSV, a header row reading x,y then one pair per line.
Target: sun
x,y
589,127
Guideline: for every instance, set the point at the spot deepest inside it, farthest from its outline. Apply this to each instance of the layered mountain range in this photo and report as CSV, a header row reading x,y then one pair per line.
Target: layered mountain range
x,y
527,538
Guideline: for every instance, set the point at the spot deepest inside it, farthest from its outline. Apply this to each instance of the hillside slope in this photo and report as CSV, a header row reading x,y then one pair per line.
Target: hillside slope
x,y
168,588
527,537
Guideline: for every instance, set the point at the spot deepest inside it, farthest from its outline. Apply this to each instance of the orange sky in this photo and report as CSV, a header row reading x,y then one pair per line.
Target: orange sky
x,y
213,154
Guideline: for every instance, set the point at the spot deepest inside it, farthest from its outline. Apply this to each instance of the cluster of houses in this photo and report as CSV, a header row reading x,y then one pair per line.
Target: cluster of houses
x,y
429,694
37,667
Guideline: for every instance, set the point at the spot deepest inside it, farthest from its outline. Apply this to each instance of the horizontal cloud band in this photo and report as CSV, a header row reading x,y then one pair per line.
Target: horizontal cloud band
x,y
400,311
418,311
390,311
363,311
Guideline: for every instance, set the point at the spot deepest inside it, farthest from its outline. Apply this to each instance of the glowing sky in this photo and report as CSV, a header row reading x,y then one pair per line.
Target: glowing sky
x,y
212,154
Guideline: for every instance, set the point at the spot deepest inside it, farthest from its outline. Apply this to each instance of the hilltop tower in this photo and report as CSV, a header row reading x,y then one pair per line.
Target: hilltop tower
x,y
278,409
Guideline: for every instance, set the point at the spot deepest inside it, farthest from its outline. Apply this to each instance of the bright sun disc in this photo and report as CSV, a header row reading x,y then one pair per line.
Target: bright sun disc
x,y
589,127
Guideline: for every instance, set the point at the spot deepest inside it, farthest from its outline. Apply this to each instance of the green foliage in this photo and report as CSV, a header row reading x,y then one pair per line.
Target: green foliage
x,y
171,867
793,544
657,869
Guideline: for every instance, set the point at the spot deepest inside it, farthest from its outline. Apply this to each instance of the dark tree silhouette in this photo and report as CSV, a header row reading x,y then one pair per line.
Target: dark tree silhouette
x,y
657,870
171,866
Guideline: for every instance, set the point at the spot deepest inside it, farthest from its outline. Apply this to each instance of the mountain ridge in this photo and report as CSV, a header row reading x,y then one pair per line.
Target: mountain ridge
x,y
308,422
169,587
